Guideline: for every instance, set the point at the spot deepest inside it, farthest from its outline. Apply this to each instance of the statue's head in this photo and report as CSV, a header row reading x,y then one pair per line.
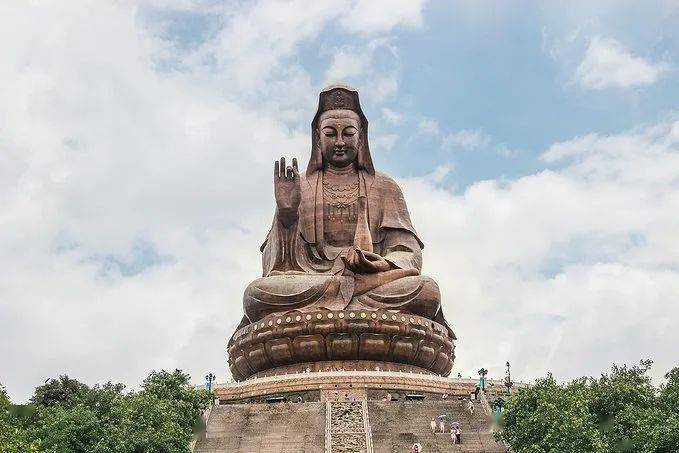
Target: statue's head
x,y
339,131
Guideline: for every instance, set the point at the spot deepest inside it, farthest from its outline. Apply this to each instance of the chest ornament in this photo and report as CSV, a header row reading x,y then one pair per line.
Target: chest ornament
x,y
340,201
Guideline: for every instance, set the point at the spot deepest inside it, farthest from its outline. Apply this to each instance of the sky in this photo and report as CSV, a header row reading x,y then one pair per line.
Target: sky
x,y
537,145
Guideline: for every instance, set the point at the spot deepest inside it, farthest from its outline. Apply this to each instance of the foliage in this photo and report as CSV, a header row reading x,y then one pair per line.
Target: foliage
x,y
63,429
174,387
13,438
618,412
146,423
67,416
64,391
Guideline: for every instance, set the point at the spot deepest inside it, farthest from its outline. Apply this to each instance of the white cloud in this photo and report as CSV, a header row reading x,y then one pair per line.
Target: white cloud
x,y
391,116
565,270
101,151
466,139
374,66
376,16
383,141
428,126
607,64
135,198
136,192
475,139
439,174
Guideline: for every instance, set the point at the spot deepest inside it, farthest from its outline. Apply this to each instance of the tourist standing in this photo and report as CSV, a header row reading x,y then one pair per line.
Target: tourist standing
x,y
433,425
452,434
470,407
458,435
442,426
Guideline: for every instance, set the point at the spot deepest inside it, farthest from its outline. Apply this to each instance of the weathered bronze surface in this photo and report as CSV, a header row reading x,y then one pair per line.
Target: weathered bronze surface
x,y
341,243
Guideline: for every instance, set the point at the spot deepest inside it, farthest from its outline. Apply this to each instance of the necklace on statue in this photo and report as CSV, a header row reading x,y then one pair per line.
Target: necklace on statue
x,y
340,200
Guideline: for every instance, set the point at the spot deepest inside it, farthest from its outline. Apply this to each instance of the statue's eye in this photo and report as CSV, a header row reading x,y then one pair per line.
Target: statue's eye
x,y
349,131
329,132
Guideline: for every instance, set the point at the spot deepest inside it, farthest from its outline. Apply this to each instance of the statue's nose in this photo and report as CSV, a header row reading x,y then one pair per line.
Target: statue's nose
x,y
340,142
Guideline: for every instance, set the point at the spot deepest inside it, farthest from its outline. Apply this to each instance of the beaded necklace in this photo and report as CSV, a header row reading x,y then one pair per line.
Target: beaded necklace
x,y
340,198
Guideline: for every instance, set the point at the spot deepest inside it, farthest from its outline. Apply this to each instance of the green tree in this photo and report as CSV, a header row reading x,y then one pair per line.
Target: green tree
x,y
13,438
145,423
175,387
625,386
67,416
60,429
618,412
102,398
547,417
669,391
63,391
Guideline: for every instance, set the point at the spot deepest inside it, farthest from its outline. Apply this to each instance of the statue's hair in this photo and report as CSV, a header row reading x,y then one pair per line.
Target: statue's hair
x,y
339,97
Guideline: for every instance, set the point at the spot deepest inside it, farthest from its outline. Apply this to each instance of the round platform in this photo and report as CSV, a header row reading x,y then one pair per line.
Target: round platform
x,y
345,339
330,381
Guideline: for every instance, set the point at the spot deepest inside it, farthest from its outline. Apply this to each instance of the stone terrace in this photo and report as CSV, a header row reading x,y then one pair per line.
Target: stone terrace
x,y
301,427
346,411
286,428
396,426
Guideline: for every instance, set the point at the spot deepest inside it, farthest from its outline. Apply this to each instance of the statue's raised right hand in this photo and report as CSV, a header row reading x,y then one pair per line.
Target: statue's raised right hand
x,y
287,189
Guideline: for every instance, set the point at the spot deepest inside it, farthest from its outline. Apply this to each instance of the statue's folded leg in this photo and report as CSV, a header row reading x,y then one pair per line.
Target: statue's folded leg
x,y
281,293
416,294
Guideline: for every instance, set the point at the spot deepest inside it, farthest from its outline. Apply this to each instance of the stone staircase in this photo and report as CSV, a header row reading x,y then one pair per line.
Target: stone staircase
x,y
271,428
397,425
347,428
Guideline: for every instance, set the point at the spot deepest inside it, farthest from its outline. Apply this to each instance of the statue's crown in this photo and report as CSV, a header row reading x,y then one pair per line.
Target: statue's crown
x,y
339,97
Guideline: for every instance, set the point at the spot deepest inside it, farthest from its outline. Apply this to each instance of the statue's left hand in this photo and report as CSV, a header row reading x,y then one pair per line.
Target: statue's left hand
x,y
364,262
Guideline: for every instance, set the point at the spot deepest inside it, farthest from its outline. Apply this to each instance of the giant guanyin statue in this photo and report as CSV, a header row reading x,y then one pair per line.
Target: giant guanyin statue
x,y
341,282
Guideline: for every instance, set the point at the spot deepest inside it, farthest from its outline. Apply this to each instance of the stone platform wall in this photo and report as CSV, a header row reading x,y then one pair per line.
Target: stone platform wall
x,y
336,380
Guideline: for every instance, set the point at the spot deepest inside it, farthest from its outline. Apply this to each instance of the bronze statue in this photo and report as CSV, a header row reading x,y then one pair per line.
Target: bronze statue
x,y
341,237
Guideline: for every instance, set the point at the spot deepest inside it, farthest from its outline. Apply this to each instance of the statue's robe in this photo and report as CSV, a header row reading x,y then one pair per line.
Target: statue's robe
x,y
301,271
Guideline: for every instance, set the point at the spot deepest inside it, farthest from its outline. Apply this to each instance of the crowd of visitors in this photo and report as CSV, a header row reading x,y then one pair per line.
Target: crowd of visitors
x,y
438,424
440,427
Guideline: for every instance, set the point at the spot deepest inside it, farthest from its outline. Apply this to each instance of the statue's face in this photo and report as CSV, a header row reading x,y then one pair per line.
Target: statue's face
x,y
339,131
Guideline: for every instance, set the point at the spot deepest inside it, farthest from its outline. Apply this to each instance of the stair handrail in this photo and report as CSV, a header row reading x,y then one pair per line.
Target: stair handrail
x,y
488,410
205,415
366,426
485,404
328,426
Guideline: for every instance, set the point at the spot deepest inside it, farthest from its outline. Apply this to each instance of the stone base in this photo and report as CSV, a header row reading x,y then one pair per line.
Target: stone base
x,y
329,382
338,339
350,412
341,365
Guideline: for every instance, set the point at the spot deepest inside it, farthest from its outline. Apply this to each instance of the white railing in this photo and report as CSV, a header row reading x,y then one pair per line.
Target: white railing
x,y
206,418
484,404
357,373
328,427
366,427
